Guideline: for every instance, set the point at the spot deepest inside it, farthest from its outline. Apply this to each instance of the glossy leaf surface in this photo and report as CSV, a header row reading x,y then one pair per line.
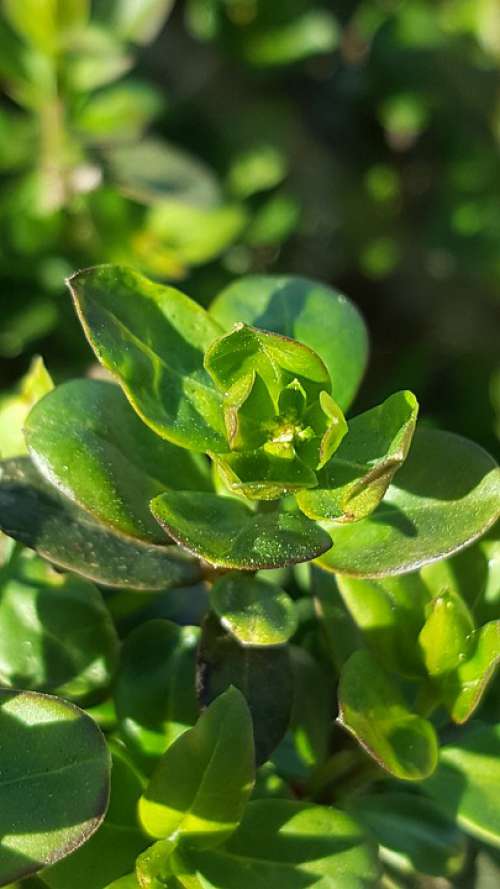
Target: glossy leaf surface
x,y
152,339
33,512
263,675
283,843
155,687
413,834
89,443
466,783
199,790
307,311
355,480
445,496
226,533
445,637
54,783
56,634
112,850
463,689
254,611
372,708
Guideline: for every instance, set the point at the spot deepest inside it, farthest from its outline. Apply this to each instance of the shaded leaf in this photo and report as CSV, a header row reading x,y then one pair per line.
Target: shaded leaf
x,y
199,789
355,480
262,674
15,408
155,687
444,497
56,634
254,611
284,843
152,339
226,533
33,512
464,688
54,783
88,442
373,710
307,311
466,784
313,706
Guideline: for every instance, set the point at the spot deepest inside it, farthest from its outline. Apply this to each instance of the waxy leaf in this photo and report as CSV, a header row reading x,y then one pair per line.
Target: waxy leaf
x,y
54,781
33,512
372,708
152,339
254,611
56,635
282,843
466,784
307,311
389,612
199,790
88,442
15,408
355,480
113,849
263,675
264,474
153,868
155,694
412,833
445,496
445,637
463,689
226,533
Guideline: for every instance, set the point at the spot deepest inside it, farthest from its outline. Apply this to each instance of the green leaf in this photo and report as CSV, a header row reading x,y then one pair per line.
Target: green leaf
x,y
312,714
127,882
445,637
283,843
464,688
15,408
155,687
120,112
140,20
183,234
226,533
153,866
444,497
412,833
33,512
262,674
264,475
254,611
199,790
307,311
390,613
466,784
113,848
373,710
35,21
56,634
355,480
88,442
314,31
152,338
54,781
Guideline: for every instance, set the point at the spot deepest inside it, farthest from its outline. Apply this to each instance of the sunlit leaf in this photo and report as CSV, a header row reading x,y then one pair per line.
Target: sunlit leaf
x,y
15,408
254,611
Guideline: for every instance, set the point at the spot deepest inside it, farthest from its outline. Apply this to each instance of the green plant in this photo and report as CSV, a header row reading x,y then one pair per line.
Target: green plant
x,y
253,549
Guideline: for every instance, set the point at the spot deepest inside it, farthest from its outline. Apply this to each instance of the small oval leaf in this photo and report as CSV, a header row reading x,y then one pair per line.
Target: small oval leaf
x,y
254,611
226,533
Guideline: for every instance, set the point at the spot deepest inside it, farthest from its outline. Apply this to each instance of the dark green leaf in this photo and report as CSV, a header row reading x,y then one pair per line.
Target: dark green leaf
x,y
413,834
54,781
306,311
226,533
113,849
88,442
313,706
372,708
33,512
155,687
263,675
199,790
466,784
281,844
254,611
355,480
445,496
152,338
56,634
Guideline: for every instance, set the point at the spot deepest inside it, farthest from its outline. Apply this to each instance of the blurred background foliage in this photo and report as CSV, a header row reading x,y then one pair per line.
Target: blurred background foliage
x,y
355,142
